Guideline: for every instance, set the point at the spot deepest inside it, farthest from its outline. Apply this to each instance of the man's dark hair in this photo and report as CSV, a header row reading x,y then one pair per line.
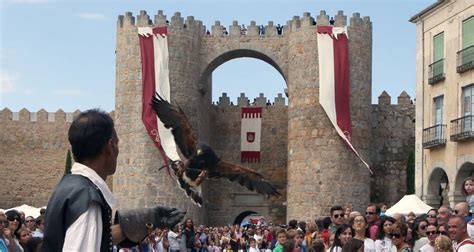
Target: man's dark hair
x,y
317,246
326,222
336,208
39,220
302,225
377,208
89,133
352,245
292,224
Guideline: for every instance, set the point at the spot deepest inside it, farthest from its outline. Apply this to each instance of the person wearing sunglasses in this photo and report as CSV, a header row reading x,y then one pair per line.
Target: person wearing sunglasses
x,y
419,238
337,218
431,216
442,229
39,232
461,209
398,233
14,224
373,217
4,241
30,223
432,233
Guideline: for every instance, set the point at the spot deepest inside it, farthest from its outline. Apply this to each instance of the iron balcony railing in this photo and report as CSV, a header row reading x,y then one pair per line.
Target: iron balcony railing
x,y
436,72
465,59
434,136
462,128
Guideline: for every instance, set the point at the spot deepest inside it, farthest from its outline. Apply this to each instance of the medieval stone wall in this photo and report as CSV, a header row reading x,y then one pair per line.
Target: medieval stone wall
x,y
301,151
393,134
33,150
318,160
227,200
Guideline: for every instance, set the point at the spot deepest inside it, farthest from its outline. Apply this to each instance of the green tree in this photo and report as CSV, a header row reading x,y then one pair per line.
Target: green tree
x,y
68,165
411,173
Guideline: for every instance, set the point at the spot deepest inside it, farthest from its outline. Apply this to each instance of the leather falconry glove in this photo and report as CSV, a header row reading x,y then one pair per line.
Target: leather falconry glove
x,y
136,222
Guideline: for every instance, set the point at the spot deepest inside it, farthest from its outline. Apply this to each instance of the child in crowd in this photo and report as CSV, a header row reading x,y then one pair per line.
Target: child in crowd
x,y
253,245
468,189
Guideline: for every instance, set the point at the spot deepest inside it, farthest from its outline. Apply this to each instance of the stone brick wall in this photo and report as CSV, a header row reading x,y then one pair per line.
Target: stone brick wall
x,y
39,140
318,159
393,131
300,149
227,200
33,149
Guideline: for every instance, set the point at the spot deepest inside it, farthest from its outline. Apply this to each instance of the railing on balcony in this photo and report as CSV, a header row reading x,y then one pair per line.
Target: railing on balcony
x,y
465,59
434,136
436,72
462,128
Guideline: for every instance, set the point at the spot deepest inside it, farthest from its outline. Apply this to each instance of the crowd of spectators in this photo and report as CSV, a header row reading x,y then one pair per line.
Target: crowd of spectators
x,y
439,230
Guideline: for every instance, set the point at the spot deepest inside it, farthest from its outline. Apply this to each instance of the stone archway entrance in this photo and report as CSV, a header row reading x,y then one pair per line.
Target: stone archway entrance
x,y
244,216
438,188
466,170
294,132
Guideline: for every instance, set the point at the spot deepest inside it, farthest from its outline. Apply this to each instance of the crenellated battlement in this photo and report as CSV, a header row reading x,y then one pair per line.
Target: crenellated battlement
x,y
177,21
243,101
402,100
41,115
235,29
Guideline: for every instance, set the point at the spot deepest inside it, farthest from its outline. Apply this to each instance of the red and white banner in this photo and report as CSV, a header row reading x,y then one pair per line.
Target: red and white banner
x,y
333,52
250,136
155,79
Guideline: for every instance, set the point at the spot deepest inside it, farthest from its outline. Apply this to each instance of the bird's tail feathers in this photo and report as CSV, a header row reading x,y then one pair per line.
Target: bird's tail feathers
x,y
190,192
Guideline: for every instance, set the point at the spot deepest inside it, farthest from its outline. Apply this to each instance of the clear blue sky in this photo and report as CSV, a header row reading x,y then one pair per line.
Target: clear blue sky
x,y
60,54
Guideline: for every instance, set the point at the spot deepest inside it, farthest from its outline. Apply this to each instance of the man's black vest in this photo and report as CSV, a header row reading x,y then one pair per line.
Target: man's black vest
x,y
71,198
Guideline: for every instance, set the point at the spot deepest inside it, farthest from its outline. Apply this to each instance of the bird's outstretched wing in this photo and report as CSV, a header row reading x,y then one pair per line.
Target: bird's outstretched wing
x,y
247,177
173,117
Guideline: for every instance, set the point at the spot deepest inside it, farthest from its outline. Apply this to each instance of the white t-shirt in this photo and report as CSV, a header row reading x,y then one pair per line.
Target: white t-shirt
x,y
369,245
422,241
427,248
173,241
464,246
254,249
384,245
470,230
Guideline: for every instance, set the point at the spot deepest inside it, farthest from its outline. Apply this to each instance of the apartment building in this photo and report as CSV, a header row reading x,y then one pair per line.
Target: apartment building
x,y
444,100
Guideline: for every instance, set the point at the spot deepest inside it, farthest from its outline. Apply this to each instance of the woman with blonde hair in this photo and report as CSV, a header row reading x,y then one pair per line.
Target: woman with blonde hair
x,y
443,244
311,233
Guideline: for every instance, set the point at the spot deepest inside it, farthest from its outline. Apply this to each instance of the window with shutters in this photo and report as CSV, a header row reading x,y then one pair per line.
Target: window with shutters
x,y
435,135
436,69
463,127
465,57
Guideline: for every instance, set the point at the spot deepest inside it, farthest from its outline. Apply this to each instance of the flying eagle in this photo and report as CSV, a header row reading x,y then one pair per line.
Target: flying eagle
x,y
200,161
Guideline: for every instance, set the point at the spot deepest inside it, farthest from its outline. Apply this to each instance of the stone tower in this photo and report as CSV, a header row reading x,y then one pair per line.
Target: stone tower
x,y
321,170
318,168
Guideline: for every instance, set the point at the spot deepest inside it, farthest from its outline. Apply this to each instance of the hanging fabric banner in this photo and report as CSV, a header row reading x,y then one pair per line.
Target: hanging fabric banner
x,y
251,130
334,93
155,79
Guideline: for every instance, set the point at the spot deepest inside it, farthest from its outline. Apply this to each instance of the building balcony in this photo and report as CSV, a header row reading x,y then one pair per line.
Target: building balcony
x,y
462,128
434,136
436,72
465,59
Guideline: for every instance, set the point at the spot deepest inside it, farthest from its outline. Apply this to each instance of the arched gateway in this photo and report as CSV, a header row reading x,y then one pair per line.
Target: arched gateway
x,y
301,151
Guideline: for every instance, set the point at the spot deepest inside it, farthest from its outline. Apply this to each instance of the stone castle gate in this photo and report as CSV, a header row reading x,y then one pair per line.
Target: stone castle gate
x,y
303,153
